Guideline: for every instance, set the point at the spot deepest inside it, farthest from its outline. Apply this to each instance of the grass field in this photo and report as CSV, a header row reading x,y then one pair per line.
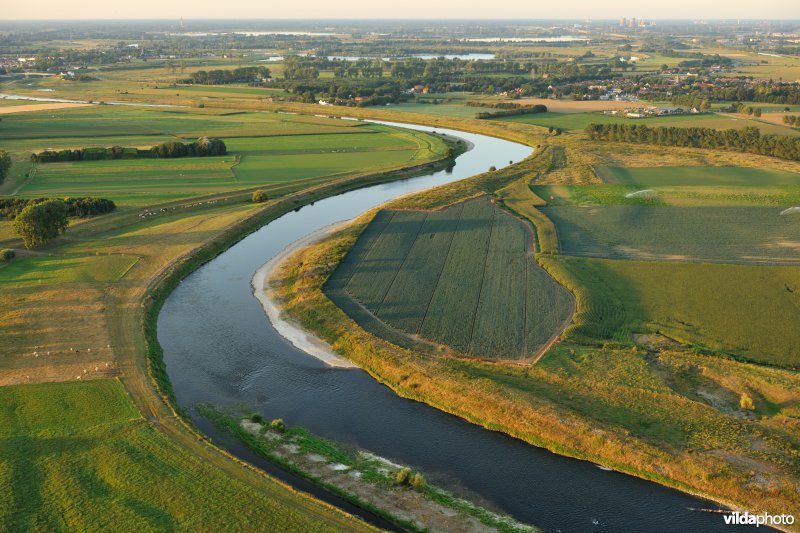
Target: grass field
x,y
738,234
80,456
264,149
644,177
746,311
447,275
578,121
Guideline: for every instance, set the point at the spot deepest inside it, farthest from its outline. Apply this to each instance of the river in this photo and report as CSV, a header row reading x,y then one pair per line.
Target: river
x,y
220,348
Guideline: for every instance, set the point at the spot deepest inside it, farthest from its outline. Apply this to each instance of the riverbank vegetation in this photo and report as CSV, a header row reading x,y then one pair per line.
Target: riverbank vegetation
x,y
392,491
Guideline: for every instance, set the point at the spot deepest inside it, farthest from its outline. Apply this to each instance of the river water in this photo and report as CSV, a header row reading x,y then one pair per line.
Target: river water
x,y
220,348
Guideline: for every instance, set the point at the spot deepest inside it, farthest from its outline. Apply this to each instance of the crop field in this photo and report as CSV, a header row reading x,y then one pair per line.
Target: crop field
x,y
644,177
748,311
264,149
448,276
735,234
79,456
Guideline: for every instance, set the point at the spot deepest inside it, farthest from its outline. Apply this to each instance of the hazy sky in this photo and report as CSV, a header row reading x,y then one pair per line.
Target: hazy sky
x,y
349,9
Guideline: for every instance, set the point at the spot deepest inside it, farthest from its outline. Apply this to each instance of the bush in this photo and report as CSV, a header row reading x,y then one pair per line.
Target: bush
x,y
746,403
402,476
257,418
492,168
418,482
7,255
260,196
278,425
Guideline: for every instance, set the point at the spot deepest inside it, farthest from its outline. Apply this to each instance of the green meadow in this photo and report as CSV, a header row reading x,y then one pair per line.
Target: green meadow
x,y
644,177
578,121
264,149
741,310
726,234
80,456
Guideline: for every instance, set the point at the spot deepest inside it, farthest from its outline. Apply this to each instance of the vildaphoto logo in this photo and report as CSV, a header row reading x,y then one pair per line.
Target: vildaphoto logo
x,y
763,519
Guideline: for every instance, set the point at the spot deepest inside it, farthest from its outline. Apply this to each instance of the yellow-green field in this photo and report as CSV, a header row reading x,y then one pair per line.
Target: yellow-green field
x,y
80,456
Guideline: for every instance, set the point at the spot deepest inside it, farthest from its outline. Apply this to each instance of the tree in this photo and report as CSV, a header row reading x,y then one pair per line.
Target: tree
x,y
260,196
39,223
5,165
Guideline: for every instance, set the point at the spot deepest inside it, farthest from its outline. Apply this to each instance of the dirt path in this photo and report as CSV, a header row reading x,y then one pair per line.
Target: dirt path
x,y
295,334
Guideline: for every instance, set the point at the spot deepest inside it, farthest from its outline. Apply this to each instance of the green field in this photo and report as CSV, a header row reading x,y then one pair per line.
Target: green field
x,y
578,121
644,177
751,234
264,149
747,311
79,456
446,276
38,270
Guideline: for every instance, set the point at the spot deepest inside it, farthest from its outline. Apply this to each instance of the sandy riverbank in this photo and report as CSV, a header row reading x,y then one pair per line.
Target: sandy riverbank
x,y
300,338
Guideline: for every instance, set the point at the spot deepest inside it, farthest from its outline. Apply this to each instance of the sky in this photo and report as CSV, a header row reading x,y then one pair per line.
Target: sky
x,y
405,9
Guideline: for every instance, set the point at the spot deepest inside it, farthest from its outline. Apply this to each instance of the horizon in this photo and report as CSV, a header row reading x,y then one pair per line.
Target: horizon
x,y
396,20
412,10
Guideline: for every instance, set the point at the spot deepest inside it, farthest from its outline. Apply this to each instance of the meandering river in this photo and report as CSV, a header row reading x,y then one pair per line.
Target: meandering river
x,y
220,348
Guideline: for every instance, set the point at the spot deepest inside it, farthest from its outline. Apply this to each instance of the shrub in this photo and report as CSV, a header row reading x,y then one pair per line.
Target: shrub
x,y
260,196
746,402
402,476
492,168
257,418
418,482
7,255
278,425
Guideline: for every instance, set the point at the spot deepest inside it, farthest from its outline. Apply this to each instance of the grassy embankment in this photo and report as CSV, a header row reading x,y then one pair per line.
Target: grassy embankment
x,y
660,411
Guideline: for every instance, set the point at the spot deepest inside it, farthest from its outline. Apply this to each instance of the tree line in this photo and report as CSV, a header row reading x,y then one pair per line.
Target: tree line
x,y
791,120
522,110
76,207
747,139
199,148
5,165
222,77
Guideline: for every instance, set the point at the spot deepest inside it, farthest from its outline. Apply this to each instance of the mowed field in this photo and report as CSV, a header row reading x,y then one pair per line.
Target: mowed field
x,y
702,255
79,456
448,276
736,234
273,150
696,176
743,310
